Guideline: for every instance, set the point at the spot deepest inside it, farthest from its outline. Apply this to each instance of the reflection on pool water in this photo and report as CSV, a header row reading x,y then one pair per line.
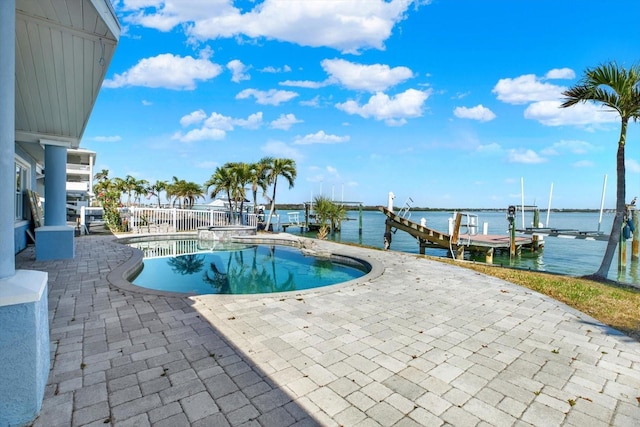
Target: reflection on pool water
x,y
238,268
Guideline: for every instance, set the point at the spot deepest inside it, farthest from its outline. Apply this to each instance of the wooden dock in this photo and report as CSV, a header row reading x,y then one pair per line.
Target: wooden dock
x,y
457,242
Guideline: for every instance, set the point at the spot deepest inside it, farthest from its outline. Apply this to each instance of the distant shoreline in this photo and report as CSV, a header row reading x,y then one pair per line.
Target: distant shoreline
x,y
300,206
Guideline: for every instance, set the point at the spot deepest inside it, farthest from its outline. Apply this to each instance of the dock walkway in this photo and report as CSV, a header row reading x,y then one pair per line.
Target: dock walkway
x,y
457,242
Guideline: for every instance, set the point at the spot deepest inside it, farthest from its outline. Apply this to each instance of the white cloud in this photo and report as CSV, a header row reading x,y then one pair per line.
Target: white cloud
x,y
192,118
280,149
561,73
571,146
146,103
218,121
479,112
632,165
254,121
545,100
271,69
314,102
372,78
320,137
348,26
525,89
201,134
525,156
550,113
393,110
166,71
285,121
113,138
270,97
214,127
304,83
238,71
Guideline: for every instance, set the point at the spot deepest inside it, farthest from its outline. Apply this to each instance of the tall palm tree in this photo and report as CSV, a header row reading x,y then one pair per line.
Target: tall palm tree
x,y
139,189
190,193
130,184
618,89
241,173
103,175
119,185
279,167
156,188
173,192
222,181
259,179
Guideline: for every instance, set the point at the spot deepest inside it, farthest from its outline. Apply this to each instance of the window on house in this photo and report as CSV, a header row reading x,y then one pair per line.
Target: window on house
x,y
22,184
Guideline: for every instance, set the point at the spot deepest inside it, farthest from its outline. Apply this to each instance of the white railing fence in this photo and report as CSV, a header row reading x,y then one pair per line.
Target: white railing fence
x,y
155,220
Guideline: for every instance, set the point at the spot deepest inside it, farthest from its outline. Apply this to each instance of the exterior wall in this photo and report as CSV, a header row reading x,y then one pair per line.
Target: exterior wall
x,y
24,340
20,235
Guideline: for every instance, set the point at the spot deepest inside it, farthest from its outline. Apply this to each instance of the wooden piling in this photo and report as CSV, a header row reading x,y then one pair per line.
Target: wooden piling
x,y
512,240
456,228
636,235
488,258
622,252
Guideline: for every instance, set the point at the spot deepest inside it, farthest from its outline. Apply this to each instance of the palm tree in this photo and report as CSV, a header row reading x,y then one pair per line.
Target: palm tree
x,y
222,181
329,214
618,89
259,179
190,192
156,189
119,185
103,175
173,192
279,167
129,186
139,189
322,209
241,173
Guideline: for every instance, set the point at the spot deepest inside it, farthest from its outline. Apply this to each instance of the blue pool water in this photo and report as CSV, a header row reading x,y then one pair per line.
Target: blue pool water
x,y
239,269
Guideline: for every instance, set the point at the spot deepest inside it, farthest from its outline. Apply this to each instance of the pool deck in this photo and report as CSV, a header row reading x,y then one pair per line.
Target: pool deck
x,y
419,343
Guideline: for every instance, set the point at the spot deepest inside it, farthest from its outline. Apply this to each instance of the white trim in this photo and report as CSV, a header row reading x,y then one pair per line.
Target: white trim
x,y
26,286
26,184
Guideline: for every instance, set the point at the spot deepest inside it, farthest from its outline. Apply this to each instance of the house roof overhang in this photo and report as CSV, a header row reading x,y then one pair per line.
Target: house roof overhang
x,y
63,50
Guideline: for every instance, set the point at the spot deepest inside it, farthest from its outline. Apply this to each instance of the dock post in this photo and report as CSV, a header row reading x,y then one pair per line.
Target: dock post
x,y
422,244
622,251
488,258
511,217
387,235
360,219
460,253
456,228
512,240
306,216
636,235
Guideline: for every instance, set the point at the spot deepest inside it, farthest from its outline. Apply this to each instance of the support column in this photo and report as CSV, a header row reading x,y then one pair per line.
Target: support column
x,y
7,137
56,239
24,315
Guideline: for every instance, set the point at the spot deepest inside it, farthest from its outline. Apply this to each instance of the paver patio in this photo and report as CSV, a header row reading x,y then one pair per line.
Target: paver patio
x,y
423,343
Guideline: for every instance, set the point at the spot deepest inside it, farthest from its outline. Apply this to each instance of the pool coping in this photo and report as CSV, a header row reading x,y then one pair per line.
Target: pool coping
x,y
119,276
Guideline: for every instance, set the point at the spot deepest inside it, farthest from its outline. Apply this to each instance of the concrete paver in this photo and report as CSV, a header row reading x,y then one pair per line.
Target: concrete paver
x,y
419,343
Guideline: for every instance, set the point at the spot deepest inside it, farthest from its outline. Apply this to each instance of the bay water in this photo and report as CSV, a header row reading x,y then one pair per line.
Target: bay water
x,y
567,256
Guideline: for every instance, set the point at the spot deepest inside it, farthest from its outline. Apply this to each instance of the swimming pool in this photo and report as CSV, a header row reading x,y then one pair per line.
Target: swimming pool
x,y
233,268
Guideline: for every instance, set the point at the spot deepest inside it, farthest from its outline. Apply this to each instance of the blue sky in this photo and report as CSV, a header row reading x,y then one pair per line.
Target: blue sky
x,y
451,103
